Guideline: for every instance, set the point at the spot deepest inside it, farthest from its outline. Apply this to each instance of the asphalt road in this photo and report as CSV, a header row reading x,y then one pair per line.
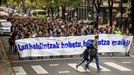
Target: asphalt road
x,y
109,65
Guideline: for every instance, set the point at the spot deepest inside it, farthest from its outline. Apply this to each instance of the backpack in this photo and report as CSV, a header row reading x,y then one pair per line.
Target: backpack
x,y
93,52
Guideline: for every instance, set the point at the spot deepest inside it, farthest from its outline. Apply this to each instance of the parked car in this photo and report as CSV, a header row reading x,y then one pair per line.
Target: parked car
x,y
5,27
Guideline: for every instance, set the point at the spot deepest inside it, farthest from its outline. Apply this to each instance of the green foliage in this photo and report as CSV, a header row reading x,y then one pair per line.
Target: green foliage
x,y
12,3
75,3
4,1
65,3
37,4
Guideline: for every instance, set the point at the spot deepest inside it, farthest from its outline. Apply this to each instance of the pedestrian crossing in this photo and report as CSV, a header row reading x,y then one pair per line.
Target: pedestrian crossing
x,y
19,70
39,69
116,66
80,69
103,68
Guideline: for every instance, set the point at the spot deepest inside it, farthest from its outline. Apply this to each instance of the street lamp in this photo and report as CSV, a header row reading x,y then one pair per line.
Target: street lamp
x,y
60,12
89,16
66,14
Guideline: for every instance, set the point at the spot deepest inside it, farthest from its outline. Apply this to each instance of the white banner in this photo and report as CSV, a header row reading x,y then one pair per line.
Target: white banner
x,y
114,43
54,46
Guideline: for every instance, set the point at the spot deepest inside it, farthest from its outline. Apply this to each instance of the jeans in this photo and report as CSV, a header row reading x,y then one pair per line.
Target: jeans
x,y
91,59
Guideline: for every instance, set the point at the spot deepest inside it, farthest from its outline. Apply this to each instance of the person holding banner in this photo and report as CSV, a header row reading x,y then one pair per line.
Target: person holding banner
x,y
94,54
126,33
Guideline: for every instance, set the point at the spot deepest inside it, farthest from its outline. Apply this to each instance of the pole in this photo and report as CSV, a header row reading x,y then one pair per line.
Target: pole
x,y
92,10
110,3
83,11
67,11
121,11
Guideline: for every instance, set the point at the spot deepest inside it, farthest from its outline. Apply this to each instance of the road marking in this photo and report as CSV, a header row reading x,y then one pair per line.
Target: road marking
x,y
116,66
63,72
80,68
131,55
103,68
53,64
126,62
39,70
19,71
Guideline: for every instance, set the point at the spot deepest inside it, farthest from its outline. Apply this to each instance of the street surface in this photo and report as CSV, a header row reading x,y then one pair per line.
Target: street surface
x,y
109,66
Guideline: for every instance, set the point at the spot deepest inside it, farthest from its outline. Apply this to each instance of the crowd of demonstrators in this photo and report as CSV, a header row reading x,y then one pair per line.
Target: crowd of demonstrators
x,y
27,27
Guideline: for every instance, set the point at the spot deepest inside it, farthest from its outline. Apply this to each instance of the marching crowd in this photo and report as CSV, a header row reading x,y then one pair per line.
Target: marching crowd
x,y
26,27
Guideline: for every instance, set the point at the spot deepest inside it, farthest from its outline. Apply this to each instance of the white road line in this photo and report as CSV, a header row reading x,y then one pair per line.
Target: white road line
x,y
131,55
53,64
116,66
126,62
19,71
39,70
63,72
103,68
80,68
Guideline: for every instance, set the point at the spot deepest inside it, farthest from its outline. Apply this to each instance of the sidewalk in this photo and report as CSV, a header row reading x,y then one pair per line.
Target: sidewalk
x,y
2,69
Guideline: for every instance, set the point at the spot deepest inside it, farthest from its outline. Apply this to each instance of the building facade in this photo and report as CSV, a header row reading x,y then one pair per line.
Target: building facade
x,y
88,11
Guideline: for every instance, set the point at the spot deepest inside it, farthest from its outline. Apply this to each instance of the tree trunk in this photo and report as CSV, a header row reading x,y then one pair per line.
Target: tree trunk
x,y
132,17
110,3
23,6
63,12
110,16
97,7
97,17
121,11
0,2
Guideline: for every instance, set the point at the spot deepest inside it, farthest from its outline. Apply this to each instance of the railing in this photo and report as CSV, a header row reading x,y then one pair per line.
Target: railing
x,y
5,59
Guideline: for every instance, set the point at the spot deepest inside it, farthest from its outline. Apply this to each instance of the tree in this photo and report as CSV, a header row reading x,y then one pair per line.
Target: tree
x,y
97,4
110,4
38,4
55,4
34,4
74,3
132,17
3,2
121,11
0,2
